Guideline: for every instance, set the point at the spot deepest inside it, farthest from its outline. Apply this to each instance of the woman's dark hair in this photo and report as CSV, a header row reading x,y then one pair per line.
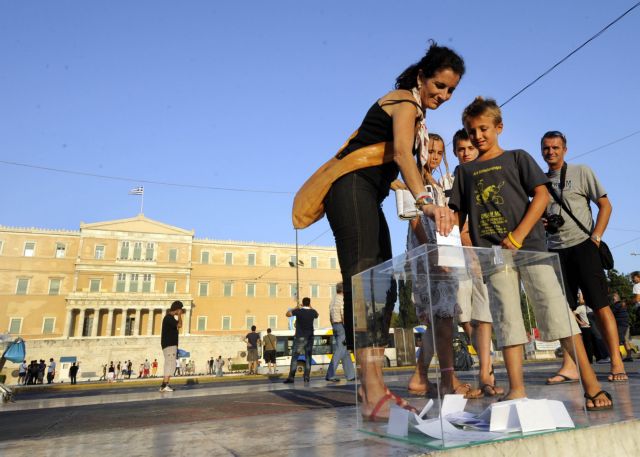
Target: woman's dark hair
x,y
436,58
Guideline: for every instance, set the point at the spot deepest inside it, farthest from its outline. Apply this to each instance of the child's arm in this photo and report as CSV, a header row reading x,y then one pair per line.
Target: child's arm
x,y
534,213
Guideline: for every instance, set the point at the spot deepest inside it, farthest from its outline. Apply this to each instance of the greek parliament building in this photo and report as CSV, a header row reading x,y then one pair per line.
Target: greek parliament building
x,y
101,292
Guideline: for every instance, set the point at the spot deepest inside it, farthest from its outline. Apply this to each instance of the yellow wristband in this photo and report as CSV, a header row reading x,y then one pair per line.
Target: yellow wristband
x,y
513,240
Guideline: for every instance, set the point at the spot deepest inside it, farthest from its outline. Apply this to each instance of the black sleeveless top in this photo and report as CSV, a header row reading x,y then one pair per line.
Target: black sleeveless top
x,y
376,127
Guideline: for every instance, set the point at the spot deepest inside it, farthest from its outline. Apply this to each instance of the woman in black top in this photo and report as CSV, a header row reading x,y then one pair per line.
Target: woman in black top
x,y
353,204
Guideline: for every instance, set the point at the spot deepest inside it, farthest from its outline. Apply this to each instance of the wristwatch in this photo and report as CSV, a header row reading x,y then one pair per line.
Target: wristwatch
x,y
596,238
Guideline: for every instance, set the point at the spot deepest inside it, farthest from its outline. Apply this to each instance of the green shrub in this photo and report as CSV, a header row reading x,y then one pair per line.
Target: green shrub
x,y
3,378
239,366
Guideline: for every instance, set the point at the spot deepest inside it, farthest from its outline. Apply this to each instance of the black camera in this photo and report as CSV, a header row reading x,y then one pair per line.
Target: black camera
x,y
554,222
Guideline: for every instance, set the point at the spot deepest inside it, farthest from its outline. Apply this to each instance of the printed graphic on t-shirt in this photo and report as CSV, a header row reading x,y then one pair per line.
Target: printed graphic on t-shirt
x,y
487,196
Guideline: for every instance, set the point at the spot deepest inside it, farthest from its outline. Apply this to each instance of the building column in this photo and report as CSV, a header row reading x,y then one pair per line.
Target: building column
x,y
152,313
110,322
83,313
96,318
136,327
123,324
68,323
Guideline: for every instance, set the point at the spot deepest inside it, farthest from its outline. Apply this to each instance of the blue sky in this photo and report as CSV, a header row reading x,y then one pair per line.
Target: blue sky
x,y
256,95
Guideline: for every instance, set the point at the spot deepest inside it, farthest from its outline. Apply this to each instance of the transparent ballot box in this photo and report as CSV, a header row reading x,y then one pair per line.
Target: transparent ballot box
x,y
422,379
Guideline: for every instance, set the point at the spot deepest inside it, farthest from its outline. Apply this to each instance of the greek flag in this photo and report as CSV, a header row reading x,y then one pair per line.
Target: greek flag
x,y
137,191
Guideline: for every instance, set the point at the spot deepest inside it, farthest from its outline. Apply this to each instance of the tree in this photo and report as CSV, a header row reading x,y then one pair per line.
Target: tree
x,y
406,317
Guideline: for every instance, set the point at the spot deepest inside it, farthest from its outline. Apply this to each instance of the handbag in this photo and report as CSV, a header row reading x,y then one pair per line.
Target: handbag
x,y
606,258
308,204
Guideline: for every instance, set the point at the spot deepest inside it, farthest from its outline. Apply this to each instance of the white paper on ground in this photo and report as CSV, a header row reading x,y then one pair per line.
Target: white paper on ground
x,y
426,408
452,403
468,420
535,415
560,414
398,424
435,429
504,417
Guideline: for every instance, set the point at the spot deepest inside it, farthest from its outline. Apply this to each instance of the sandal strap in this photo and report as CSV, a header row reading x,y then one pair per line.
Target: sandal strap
x,y
593,397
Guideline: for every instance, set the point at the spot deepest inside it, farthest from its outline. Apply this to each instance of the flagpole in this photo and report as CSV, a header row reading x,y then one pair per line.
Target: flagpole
x,y
141,202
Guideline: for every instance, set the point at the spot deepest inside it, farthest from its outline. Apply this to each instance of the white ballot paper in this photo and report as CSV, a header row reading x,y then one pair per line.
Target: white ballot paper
x,y
450,251
398,424
535,415
452,404
447,432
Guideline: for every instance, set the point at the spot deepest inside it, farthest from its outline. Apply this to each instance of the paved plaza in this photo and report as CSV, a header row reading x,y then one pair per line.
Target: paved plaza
x,y
244,417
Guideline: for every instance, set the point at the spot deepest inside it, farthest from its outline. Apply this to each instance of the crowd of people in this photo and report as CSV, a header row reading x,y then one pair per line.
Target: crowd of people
x,y
36,372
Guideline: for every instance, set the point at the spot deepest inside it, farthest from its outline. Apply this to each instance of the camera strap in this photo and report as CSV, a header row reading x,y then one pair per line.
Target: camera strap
x,y
560,200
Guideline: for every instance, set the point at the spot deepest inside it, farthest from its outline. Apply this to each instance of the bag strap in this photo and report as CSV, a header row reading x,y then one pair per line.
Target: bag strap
x,y
561,202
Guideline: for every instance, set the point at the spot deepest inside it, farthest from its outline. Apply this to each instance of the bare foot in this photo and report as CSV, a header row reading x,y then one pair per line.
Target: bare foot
x,y
514,395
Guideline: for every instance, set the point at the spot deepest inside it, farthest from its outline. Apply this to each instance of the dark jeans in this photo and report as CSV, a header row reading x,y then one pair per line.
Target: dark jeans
x,y
302,345
362,240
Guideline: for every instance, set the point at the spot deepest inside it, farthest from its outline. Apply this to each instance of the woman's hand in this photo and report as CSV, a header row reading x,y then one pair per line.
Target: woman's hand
x,y
398,185
443,217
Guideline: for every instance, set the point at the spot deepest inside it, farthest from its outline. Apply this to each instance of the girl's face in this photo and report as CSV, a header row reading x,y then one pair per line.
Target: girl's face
x,y
436,150
438,89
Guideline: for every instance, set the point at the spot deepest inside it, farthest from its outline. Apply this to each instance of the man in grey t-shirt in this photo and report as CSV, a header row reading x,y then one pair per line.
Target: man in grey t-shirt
x,y
578,186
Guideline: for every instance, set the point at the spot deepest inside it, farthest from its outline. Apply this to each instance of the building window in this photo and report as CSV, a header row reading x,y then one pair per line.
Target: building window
x,y
293,290
332,291
170,287
86,326
251,320
273,260
15,325
124,250
251,259
150,251
251,289
1,246
273,322
228,258
204,257
54,286
133,282
273,289
60,250
137,250
99,252
94,285
314,290
314,262
29,249
202,323
173,255
120,282
227,289
333,263
226,322
203,289
48,325
22,287
146,283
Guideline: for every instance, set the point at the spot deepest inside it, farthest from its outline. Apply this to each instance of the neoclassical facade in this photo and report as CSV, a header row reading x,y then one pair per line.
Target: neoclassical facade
x,y
117,278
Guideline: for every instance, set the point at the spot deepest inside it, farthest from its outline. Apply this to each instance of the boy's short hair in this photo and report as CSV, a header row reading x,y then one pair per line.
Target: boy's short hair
x,y
635,274
306,301
253,328
480,107
339,288
554,134
460,135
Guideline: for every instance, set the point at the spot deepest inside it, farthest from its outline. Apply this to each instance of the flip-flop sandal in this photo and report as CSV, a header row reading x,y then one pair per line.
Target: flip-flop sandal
x,y
565,380
467,392
593,400
612,377
401,402
491,390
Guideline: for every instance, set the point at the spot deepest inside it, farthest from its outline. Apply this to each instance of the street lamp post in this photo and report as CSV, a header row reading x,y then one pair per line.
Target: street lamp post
x,y
298,263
